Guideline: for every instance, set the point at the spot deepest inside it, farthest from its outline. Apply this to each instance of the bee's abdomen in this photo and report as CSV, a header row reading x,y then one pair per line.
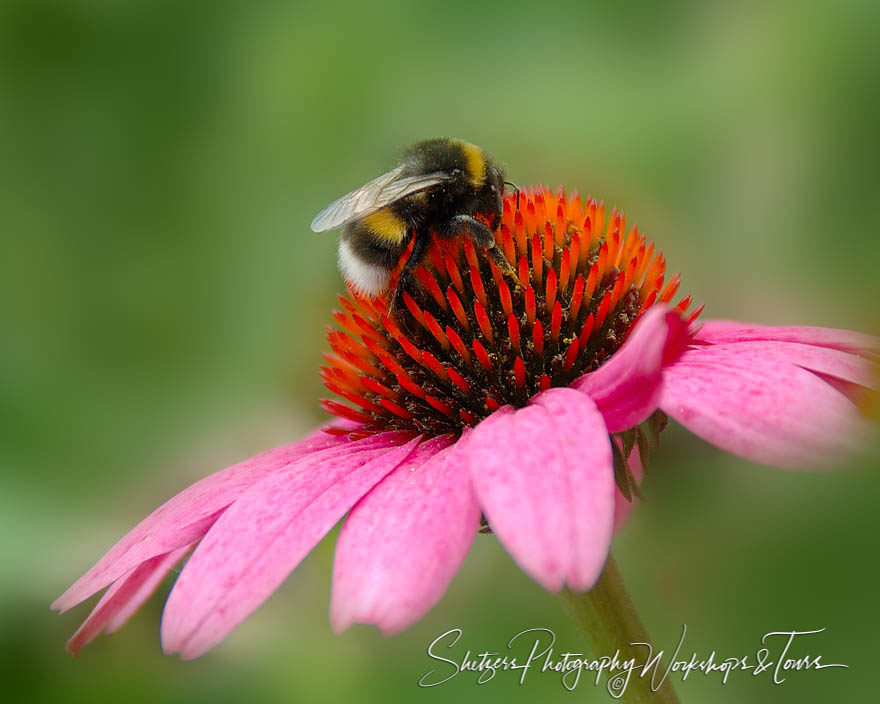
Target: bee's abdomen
x,y
366,260
386,226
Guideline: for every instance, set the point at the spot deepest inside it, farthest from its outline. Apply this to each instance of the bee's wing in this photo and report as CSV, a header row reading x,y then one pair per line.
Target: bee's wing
x,y
373,196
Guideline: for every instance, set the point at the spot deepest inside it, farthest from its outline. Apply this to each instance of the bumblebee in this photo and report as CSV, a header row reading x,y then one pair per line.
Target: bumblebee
x,y
436,190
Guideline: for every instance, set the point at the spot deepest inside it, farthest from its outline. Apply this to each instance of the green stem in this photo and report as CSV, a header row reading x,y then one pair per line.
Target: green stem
x,y
608,618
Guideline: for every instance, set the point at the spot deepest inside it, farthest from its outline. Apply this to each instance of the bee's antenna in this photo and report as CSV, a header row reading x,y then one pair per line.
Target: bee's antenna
x,y
515,188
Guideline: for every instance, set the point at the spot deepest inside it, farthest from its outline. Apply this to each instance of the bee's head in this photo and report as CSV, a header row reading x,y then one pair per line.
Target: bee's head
x,y
495,183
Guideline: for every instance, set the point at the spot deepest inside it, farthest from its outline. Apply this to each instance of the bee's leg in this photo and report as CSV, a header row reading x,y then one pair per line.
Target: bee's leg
x,y
482,237
406,274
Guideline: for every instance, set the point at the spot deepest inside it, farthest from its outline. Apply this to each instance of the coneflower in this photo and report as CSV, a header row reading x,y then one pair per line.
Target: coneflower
x,y
519,400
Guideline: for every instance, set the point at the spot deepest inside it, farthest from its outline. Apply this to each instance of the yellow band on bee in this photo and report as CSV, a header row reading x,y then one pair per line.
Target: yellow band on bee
x,y
476,163
386,226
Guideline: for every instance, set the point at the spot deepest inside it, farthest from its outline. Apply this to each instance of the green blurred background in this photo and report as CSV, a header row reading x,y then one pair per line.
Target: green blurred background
x,y
163,303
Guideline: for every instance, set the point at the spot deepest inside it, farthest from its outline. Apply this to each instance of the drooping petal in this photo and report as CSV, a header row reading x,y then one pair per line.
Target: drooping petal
x,y
826,360
124,597
626,389
766,411
720,331
121,617
261,538
187,516
403,542
544,477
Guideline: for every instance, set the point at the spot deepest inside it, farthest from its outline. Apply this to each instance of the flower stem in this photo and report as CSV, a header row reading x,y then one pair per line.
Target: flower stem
x,y
608,618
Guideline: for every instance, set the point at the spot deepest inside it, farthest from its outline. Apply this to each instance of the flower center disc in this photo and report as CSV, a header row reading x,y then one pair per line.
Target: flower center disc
x,y
467,336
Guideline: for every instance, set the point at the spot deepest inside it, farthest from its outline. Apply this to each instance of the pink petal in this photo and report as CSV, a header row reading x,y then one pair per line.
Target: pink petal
x,y
825,360
121,617
626,389
720,331
622,506
544,477
261,538
404,541
186,517
124,597
763,410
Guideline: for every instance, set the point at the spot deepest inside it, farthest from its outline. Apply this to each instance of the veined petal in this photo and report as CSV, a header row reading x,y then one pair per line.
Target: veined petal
x,y
187,516
121,617
720,331
626,389
124,597
545,479
768,412
262,537
404,541
825,360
